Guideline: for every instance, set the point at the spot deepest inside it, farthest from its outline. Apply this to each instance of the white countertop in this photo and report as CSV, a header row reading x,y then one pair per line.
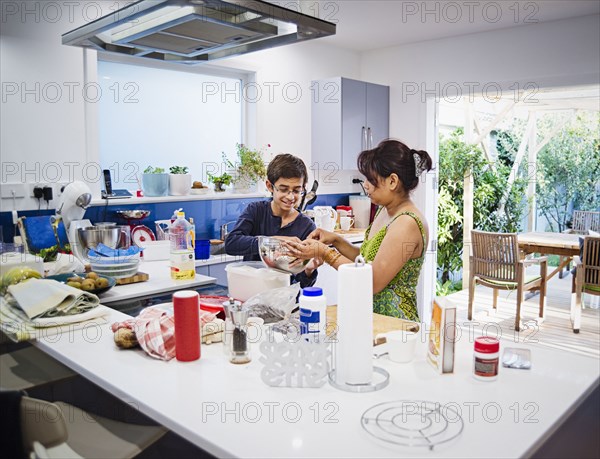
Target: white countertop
x,y
228,411
159,281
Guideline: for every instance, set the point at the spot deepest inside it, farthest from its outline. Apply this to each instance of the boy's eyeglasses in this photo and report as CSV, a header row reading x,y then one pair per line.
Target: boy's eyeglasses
x,y
286,191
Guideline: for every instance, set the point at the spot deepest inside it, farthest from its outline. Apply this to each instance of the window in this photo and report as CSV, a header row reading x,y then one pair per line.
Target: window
x,y
165,117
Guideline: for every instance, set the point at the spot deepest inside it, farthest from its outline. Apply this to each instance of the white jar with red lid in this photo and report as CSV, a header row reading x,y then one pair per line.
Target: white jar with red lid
x,y
486,359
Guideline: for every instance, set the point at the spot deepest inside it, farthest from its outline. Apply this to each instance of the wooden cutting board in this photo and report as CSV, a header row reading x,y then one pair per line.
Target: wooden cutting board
x,y
139,277
381,324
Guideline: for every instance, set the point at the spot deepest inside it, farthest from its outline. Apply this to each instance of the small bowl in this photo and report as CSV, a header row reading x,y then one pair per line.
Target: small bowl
x,y
199,190
136,214
274,255
62,278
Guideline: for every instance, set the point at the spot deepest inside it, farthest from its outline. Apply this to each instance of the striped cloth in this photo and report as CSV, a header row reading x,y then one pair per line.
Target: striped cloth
x,y
155,331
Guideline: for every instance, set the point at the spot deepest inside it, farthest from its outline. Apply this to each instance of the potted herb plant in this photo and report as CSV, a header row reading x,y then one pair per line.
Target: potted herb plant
x,y
250,169
220,181
155,181
180,182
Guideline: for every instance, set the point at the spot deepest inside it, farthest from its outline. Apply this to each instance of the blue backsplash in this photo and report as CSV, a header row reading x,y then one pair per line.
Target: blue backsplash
x,y
208,215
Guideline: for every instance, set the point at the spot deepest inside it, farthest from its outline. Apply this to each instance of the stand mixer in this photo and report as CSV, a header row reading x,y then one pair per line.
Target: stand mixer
x,y
74,201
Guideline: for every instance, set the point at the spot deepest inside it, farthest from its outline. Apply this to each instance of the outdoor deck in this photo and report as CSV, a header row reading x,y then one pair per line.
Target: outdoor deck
x,y
555,331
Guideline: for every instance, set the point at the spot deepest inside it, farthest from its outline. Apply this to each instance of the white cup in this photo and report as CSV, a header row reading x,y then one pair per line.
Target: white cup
x,y
346,223
401,345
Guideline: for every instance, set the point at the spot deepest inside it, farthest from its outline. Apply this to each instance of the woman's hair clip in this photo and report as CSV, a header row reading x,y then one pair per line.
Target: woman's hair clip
x,y
419,164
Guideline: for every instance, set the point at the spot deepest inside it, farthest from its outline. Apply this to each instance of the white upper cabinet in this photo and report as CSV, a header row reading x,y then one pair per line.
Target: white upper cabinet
x,y
348,116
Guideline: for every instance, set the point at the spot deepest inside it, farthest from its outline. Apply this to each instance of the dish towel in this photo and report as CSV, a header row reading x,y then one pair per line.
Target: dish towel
x,y
155,331
47,298
18,327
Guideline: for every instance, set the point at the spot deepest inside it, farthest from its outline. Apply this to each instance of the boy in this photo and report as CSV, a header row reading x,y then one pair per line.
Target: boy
x,y
286,180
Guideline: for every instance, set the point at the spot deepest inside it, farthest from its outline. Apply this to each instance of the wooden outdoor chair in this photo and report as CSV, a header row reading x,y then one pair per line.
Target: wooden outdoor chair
x,y
586,278
495,262
583,221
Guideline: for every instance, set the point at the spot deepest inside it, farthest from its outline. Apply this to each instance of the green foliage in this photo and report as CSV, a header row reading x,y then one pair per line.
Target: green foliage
x,y
447,287
154,170
251,167
568,171
456,159
178,170
224,178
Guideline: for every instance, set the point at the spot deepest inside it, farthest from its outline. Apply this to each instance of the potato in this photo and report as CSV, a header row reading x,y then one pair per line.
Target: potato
x,y
101,282
88,284
92,275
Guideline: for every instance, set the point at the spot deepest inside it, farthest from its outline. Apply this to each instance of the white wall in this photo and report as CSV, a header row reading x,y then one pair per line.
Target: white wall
x,y
44,133
283,120
559,53
42,112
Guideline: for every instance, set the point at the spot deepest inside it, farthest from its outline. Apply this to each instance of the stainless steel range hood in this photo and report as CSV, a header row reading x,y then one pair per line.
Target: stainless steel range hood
x,y
194,31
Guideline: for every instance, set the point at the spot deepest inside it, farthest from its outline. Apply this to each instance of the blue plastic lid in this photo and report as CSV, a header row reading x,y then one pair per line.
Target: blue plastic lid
x,y
312,291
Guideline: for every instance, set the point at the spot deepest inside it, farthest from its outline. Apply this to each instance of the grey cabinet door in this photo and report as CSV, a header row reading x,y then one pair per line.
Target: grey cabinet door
x,y
378,113
354,121
348,116
326,126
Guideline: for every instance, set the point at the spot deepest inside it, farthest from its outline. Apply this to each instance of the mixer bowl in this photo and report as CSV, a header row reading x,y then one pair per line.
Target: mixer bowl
x,y
274,255
91,236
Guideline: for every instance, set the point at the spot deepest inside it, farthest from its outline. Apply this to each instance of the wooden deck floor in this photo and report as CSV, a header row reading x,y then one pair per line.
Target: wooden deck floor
x,y
554,331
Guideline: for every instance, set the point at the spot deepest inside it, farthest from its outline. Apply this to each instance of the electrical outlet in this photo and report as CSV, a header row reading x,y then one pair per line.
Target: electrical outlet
x,y
7,189
33,186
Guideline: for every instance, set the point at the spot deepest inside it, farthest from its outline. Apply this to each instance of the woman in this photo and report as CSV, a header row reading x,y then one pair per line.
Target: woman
x,y
396,241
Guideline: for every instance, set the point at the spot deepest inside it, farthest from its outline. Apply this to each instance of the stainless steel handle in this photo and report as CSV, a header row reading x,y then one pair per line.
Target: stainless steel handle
x,y
363,145
225,229
370,134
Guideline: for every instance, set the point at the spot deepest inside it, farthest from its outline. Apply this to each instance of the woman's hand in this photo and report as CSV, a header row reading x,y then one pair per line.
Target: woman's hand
x,y
305,250
326,237
287,238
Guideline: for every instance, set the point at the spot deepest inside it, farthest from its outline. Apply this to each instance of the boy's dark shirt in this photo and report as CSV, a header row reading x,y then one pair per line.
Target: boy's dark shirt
x,y
258,220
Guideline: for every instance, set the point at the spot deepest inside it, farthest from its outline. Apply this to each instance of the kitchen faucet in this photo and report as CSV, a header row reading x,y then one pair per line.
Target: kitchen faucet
x,y
225,229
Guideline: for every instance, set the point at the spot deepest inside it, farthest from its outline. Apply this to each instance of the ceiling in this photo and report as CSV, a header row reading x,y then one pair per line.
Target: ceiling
x,y
364,25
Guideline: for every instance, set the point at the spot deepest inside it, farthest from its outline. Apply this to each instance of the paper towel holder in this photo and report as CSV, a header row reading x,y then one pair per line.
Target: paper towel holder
x,y
384,378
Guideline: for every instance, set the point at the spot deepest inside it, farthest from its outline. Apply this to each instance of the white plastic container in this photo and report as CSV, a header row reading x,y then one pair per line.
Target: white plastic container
x,y
156,250
313,314
247,278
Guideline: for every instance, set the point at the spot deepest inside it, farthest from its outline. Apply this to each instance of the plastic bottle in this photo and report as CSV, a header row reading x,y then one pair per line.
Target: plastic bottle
x,y
181,235
486,358
313,310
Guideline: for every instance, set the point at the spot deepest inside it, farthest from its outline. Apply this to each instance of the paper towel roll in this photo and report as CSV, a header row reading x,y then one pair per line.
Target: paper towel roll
x,y
354,347
186,309
361,208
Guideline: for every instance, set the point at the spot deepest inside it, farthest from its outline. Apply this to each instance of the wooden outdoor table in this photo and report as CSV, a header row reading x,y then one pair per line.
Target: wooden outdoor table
x,y
563,244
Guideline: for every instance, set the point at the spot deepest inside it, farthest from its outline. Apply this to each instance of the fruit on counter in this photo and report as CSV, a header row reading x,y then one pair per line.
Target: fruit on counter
x,y
92,281
198,185
16,275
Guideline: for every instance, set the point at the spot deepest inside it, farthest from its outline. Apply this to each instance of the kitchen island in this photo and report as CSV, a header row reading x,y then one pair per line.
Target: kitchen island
x,y
228,411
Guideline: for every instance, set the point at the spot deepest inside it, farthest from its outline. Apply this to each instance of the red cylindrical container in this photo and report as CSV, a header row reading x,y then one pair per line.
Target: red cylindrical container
x,y
186,308
486,359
